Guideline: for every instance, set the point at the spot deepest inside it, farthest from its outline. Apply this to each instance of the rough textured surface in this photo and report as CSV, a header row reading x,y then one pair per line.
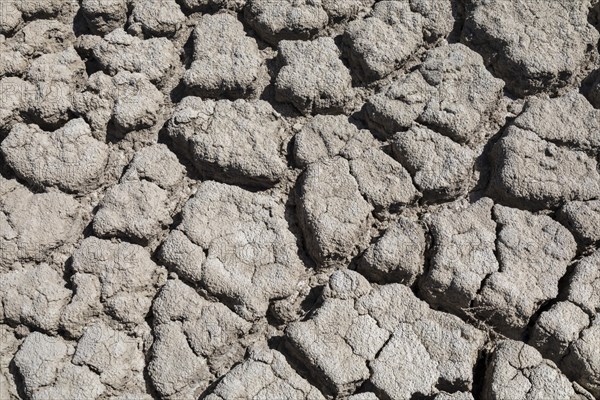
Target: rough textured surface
x,y
530,269
518,371
287,19
441,168
44,363
312,76
464,248
504,32
119,104
203,336
34,297
239,142
103,17
243,235
224,66
376,329
393,32
124,280
265,374
134,210
119,51
398,255
541,173
325,192
34,225
158,17
583,220
68,158
450,92
299,199
55,78
572,345
382,181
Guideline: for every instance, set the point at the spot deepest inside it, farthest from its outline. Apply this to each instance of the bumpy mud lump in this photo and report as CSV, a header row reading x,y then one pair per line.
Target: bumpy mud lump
x,y
34,296
245,235
533,160
34,225
42,36
325,192
382,181
338,10
9,345
119,279
312,76
582,363
440,167
463,253
573,345
583,220
428,340
398,255
594,91
142,204
450,92
286,19
529,169
103,17
366,327
15,93
518,371
327,136
114,106
530,269
205,336
69,158
119,51
45,365
212,5
15,12
238,142
229,65
265,374
158,17
504,33
12,62
552,336
156,164
133,210
482,265
55,78
565,120
393,32
116,357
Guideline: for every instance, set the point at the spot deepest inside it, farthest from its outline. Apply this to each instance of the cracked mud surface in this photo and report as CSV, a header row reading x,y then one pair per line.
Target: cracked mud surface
x,y
299,199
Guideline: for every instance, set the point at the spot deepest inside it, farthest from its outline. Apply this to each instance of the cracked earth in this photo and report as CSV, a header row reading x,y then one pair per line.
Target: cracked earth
x,y
299,199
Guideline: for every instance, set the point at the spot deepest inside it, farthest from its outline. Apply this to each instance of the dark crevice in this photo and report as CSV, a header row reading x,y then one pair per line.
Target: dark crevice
x,y
479,372
430,248
80,24
458,12
366,387
18,379
563,287
301,366
210,388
